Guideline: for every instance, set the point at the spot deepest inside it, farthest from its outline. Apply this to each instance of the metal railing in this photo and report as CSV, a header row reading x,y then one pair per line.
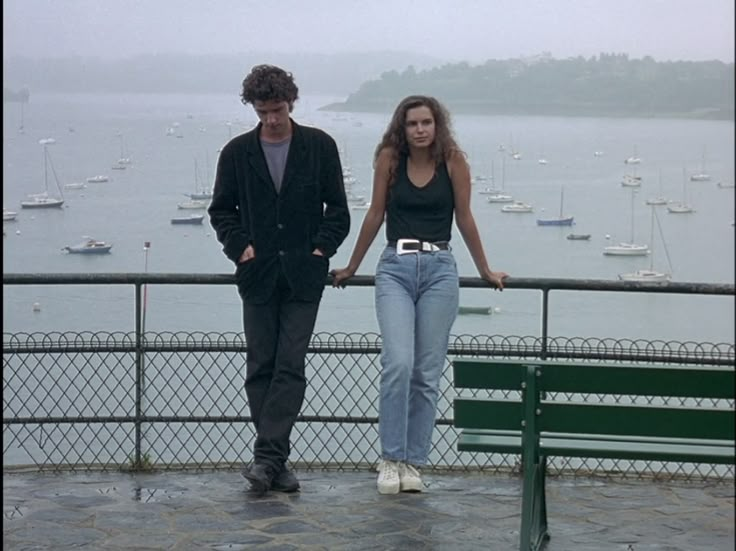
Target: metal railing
x,y
137,400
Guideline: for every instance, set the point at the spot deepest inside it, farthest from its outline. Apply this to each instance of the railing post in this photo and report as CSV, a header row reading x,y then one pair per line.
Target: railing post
x,y
545,322
138,372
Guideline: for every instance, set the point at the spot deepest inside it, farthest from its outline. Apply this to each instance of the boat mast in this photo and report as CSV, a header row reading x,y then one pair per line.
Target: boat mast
x,y
562,195
651,242
632,216
503,173
664,243
45,169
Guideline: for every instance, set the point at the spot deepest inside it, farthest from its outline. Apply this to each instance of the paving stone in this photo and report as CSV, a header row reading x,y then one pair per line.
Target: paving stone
x,y
213,510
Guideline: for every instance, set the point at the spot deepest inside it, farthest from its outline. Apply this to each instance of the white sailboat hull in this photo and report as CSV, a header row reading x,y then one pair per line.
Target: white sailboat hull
x,y
645,275
42,203
499,198
626,249
679,208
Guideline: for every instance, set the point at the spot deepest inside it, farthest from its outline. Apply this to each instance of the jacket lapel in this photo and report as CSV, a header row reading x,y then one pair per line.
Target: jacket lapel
x,y
296,159
256,160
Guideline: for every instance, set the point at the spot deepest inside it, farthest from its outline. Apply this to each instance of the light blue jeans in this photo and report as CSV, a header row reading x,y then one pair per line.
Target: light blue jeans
x,y
417,298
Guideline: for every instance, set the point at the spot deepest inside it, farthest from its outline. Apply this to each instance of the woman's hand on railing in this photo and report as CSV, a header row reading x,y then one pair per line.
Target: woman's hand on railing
x,y
339,277
495,278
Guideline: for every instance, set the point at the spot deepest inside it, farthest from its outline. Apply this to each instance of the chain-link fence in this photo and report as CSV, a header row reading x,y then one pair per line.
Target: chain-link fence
x,y
73,401
129,400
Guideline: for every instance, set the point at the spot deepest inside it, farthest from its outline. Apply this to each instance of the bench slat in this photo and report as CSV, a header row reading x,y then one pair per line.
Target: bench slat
x,y
552,445
621,419
476,413
475,373
621,449
490,441
598,378
696,382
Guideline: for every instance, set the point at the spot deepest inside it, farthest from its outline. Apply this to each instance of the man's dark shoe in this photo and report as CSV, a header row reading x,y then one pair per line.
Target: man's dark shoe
x,y
285,481
260,477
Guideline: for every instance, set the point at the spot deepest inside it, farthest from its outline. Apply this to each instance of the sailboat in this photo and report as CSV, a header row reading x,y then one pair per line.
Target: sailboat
x,y
517,206
628,248
650,274
21,128
200,192
634,159
701,176
560,220
195,203
479,177
43,200
659,199
631,180
542,158
500,196
124,160
681,207
492,189
514,153
124,157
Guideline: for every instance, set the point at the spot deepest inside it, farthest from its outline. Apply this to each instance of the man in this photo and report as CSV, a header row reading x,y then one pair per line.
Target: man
x,y
280,211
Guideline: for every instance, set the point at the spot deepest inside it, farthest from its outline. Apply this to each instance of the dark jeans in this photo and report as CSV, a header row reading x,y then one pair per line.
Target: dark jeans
x,y
277,335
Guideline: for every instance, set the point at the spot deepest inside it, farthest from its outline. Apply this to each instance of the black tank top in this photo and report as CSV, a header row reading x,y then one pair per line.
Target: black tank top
x,y
420,213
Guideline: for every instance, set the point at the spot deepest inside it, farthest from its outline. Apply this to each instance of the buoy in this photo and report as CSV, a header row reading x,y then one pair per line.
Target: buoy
x,y
36,307
17,232
608,236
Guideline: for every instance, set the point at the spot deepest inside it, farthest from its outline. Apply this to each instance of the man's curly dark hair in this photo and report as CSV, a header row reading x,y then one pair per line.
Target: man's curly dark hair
x,y
268,82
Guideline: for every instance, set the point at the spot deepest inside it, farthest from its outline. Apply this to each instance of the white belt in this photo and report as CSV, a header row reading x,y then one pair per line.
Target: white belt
x,y
406,246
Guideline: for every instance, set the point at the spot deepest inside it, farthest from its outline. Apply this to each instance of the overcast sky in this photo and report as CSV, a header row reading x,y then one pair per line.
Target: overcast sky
x,y
454,30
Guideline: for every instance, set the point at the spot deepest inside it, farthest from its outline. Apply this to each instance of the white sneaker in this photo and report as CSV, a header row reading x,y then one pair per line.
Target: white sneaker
x,y
388,477
410,479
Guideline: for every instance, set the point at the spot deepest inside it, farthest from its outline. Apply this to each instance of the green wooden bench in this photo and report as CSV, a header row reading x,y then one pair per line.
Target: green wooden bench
x,y
542,414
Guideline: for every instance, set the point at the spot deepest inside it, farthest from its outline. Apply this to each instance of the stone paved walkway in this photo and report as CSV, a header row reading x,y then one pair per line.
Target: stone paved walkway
x,y
185,510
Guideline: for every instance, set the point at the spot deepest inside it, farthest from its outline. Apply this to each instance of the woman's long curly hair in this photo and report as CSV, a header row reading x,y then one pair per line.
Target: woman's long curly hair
x,y
268,82
394,138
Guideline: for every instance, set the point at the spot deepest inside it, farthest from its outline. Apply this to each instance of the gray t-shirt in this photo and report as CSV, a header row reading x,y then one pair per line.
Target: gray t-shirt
x,y
276,159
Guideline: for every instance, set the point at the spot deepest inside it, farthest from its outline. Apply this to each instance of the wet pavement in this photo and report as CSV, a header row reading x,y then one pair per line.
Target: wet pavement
x,y
187,510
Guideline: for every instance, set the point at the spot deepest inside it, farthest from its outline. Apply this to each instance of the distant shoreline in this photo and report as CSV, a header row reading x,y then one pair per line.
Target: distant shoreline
x,y
536,110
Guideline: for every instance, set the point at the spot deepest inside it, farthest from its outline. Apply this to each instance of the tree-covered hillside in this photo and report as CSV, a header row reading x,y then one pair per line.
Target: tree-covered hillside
x,y
607,85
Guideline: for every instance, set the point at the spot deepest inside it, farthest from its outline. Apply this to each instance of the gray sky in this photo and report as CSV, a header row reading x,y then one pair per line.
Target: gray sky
x,y
470,30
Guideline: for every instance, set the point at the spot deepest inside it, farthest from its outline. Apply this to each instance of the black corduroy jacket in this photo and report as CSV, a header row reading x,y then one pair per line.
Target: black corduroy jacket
x,y
310,212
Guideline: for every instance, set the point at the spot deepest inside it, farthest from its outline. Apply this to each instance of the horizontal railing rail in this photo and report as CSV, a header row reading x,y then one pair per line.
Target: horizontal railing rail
x,y
540,283
170,399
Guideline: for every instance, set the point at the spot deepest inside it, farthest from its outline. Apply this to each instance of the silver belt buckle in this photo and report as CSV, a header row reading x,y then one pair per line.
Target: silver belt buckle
x,y
402,242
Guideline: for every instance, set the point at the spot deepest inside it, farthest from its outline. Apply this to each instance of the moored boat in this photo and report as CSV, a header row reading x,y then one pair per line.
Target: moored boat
x,y
645,275
578,236
561,220
481,310
626,249
44,200
193,204
517,206
89,246
41,201
75,185
192,219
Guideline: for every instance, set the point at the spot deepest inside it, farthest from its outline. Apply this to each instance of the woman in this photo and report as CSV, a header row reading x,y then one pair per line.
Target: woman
x,y
421,180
